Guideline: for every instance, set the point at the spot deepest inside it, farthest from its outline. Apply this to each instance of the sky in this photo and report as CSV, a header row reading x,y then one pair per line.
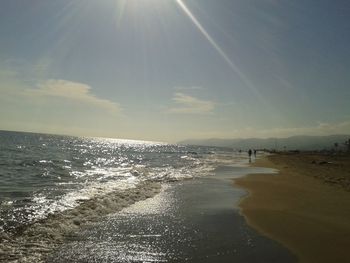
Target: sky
x,y
168,70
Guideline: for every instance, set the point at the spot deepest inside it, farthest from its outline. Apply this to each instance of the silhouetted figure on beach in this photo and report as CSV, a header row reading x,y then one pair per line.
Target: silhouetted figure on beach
x,y
254,153
250,155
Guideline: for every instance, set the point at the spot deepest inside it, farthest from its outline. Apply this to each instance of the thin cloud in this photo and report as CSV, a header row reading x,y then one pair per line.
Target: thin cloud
x,y
321,128
73,91
186,104
189,88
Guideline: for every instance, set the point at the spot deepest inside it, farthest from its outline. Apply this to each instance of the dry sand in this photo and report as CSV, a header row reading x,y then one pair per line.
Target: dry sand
x,y
306,206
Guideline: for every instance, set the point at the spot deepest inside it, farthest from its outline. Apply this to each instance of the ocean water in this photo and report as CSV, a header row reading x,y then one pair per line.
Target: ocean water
x,y
50,184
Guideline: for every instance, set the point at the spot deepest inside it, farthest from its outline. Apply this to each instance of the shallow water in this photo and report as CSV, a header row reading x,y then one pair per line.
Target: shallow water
x,y
48,174
51,186
189,221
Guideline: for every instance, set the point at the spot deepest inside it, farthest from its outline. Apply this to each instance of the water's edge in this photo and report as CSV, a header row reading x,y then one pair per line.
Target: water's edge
x,y
35,241
195,220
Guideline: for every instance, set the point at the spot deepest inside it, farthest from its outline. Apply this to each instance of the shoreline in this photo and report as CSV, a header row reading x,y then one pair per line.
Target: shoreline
x,y
192,220
305,206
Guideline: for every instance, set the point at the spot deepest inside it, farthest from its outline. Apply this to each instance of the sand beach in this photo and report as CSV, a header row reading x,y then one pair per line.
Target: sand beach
x,y
306,206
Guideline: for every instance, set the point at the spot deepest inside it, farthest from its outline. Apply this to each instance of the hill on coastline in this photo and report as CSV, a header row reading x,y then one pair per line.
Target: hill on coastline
x,y
301,142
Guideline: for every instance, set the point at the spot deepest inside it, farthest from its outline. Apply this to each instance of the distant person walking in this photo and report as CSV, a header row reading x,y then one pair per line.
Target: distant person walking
x,y
254,153
250,155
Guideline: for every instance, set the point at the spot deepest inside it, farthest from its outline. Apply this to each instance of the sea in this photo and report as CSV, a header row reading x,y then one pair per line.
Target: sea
x,y
50,185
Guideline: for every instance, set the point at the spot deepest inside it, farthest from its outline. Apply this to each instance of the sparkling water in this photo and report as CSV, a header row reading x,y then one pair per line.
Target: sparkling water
x,y
42,175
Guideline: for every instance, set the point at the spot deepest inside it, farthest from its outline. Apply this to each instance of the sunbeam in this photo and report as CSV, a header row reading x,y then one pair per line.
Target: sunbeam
x,y
222,53
120,7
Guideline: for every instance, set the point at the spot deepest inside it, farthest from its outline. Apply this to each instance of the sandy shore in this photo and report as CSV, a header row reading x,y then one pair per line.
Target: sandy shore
x,y
306,206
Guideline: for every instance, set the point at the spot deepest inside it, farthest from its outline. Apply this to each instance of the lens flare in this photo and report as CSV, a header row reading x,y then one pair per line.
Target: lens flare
x,y
221,52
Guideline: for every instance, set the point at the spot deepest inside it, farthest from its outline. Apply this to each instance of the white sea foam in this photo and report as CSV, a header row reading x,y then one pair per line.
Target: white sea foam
x,y
33,243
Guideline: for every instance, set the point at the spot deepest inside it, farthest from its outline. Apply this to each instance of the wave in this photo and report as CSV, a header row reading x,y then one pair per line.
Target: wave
x,y
33,242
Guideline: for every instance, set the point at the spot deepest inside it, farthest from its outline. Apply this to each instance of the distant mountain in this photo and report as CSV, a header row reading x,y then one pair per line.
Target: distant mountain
x,y
291,143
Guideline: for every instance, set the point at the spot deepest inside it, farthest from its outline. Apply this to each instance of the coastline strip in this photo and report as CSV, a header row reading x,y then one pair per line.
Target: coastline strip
x,y
309,217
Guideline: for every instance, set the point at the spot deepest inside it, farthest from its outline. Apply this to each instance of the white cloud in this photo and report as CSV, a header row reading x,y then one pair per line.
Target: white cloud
x,y
73,91
190,105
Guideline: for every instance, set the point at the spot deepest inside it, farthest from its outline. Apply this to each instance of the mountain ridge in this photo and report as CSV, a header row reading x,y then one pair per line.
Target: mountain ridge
x,y
297,142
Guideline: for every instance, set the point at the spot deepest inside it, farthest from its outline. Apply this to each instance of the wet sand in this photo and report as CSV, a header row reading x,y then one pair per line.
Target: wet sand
x,y
306,206
190,221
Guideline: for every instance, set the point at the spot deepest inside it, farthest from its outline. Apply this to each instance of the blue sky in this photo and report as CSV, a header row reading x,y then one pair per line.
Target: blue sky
x,y
174,69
